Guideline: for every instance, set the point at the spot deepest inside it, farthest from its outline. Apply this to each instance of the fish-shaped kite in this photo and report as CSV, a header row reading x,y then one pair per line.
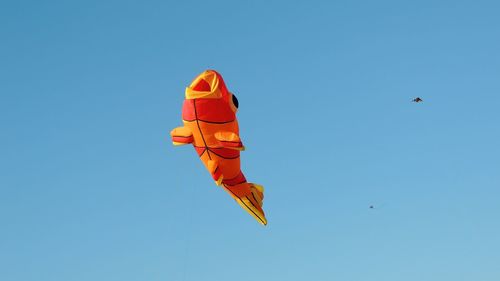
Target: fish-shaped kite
x,y
210,125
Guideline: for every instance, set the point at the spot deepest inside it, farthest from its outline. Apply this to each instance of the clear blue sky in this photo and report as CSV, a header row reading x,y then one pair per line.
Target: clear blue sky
x,y
92,189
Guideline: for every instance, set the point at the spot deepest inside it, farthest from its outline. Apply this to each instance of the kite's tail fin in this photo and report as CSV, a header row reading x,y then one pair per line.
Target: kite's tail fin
x,y
249,196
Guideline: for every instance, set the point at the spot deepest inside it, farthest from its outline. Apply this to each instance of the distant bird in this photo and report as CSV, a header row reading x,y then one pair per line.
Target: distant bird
x,y
417,99
371,207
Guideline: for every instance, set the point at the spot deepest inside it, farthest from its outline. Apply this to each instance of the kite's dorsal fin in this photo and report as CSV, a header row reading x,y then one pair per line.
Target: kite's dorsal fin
x,y
213,167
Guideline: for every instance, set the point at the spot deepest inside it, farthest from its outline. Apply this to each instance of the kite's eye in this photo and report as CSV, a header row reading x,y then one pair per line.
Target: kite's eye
x,y
235,101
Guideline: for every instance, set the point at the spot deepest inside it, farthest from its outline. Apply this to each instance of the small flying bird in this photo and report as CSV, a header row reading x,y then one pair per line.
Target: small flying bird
x,y
417,99
371,207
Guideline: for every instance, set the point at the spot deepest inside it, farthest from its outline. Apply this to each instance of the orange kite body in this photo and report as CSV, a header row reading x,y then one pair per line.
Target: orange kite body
x,y
210,125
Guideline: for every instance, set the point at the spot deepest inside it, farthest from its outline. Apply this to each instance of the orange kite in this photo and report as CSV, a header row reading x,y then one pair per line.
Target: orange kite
x,y
210,125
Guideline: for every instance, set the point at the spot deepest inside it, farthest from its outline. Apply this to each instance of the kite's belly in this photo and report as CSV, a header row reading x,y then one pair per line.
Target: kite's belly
x,y
208,148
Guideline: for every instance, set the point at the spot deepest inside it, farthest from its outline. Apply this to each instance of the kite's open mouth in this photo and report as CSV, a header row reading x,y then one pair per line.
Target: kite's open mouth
x,y
206,85
205,82
202,86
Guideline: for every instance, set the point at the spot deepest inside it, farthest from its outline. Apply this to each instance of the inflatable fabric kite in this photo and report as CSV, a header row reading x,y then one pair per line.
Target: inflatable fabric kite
x,y
210,125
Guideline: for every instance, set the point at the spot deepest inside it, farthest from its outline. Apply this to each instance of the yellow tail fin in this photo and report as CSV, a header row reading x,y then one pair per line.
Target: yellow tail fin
x,y
249,196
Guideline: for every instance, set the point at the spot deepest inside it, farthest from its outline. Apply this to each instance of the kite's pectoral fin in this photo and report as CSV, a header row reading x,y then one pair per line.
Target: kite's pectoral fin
x,y
181,136
229,140
213,167
249,196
